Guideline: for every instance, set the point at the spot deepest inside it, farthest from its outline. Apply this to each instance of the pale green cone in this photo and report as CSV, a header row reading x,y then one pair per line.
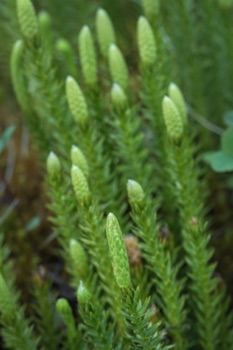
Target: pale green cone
x,y
83,294
105,31
135,194
118,252
6,302
78,158
151,8
79,260
53,167
27,18
64,309
119,98
44,21
80,185
146,42
117,66
177,97
17,75
76,101
87,56
63,46
172,119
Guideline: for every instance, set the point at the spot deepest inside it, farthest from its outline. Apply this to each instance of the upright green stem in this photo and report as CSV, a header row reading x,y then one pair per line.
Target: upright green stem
x,y
97,326
160,263
141,332
203,287
93,238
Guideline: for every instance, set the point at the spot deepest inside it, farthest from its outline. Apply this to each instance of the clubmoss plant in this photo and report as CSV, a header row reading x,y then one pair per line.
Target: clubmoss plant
x,y
160,262
135,311
173,121
18,76
146,42
194,236
105,31
87,56
78,159
76,101
16,329
119,98
97,130
117,66
27,19
177,97
45,316
92,234
97,326
72,334
118,253
79,263
54,167
80,185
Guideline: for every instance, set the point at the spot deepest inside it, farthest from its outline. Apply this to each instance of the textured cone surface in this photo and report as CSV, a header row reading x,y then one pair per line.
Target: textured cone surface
x,y
80,185
135,193
117,66
177,97
87,56
118,252
53,166
146,42
172,119
27,18
76,101
78,159
105,31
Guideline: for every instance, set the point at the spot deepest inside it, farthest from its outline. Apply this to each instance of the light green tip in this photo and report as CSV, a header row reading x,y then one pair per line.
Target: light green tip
x,y
117,66
44,20
63,45
17,75
80,185
119,98
76,101
53,167
27,18
63,307
146,42
172,119
118,252
177,97
78,158
79,260
135,193
83,294
105,31
87,56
